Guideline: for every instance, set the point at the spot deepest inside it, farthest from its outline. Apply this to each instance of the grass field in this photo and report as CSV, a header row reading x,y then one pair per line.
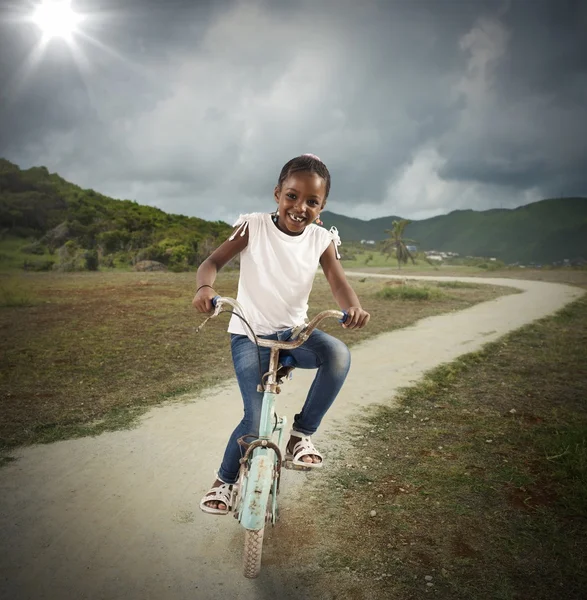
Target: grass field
x,y
473,487
86,352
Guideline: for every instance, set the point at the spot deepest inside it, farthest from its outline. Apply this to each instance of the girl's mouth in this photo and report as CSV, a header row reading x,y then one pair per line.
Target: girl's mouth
x,y
296,219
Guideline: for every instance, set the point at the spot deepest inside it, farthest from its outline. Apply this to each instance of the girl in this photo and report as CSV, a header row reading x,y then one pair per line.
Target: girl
x,y
280,253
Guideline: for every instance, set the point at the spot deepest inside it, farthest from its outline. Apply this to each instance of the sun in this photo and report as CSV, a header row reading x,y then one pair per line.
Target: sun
x,y
56,19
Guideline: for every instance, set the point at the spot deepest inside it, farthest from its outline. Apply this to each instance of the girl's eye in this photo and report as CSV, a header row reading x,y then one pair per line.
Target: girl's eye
x,y
313,202
292,196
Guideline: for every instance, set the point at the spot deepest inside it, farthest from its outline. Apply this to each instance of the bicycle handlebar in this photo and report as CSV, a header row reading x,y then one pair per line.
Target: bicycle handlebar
x,y
302,335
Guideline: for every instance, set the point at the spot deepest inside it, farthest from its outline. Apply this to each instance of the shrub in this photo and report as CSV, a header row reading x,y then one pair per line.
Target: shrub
x,y
457,284
38,265
70,247
34,248
92,261
179,267
107,261
406,292
491,265
179,255
114,240
71,258
151,253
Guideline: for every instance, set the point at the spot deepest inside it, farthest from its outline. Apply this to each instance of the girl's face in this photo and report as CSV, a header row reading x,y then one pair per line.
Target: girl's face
x,y
300,201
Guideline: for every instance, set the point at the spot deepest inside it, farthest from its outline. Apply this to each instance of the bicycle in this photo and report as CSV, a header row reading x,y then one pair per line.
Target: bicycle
x,y
254,499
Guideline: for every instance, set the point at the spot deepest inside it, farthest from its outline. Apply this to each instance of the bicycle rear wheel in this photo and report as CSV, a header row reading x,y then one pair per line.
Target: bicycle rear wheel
x,y
253,552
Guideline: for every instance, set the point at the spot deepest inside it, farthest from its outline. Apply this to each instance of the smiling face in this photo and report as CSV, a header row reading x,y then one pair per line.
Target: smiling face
x,y
300,200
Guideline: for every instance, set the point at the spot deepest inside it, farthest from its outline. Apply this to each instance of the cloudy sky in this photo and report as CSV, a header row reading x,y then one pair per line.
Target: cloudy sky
x,y
418,107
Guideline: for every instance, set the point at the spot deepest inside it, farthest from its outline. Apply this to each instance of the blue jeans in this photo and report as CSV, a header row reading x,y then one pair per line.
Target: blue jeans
x,y
320,351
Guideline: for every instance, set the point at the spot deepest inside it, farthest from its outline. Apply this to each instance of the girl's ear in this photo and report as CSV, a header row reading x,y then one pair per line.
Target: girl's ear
x,y
276,192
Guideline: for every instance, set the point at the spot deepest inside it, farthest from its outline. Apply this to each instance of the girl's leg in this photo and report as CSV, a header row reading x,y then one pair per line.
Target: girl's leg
x,y
333,360
246,366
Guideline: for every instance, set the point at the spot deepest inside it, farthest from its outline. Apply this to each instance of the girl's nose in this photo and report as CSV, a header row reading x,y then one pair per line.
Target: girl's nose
x,y
300,205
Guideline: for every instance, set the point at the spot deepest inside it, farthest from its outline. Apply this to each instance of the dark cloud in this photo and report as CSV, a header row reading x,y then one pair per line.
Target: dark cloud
x,y
416,107
528,125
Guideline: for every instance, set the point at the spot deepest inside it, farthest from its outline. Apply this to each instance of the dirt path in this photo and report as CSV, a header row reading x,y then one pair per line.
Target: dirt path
x,y
117,516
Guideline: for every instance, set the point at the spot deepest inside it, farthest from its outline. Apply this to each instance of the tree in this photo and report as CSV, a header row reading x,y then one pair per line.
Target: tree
x,y
397,243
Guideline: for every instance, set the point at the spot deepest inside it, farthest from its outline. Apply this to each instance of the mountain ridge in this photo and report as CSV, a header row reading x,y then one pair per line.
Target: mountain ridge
x,y
37,204
549,230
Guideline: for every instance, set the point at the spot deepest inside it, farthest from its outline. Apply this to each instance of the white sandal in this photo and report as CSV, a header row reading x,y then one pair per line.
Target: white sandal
x,y
304,447
222,493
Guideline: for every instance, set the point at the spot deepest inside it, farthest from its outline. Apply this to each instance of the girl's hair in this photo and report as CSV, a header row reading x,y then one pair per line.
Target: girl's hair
x,y
305,162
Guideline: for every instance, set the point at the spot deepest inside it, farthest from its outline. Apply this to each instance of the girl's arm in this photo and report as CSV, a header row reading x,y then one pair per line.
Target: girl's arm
x,y
207,271
342,291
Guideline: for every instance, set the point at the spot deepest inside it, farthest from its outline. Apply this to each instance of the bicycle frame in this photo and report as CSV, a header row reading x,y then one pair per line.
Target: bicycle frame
x,y
261,470
261,464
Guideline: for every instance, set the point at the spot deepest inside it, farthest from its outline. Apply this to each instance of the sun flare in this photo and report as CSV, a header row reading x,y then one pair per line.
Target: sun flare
x,y
56,18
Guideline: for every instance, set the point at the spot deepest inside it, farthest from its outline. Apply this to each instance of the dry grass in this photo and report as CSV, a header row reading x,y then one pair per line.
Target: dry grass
x,y
478,480
87,352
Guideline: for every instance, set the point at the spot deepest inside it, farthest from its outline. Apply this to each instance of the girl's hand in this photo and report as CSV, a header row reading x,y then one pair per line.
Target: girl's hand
x,y
202,301
357,318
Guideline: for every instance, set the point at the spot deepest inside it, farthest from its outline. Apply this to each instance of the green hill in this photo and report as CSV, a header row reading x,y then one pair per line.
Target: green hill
x,y
47,222
72,227
545,231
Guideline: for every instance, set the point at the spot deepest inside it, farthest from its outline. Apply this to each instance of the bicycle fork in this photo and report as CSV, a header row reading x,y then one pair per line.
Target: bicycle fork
x,y
262,460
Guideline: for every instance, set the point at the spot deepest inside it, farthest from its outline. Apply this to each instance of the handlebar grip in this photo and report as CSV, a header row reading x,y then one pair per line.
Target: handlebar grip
x,y
215,300
345,316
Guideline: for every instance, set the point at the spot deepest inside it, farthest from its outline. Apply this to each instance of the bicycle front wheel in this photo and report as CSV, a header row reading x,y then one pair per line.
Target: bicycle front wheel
x,y
253,552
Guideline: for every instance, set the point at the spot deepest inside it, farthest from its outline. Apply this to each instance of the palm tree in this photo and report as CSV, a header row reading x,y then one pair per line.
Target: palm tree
x,y
397,243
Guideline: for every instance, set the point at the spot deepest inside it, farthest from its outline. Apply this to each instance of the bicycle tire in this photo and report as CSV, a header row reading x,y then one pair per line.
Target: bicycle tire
x,y
253,552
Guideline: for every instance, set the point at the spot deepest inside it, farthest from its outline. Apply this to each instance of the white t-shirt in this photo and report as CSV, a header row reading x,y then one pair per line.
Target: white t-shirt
x,y
276,273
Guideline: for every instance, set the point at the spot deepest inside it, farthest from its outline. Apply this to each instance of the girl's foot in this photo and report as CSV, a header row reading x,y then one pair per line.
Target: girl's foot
x,y
307,458
217,500
216,503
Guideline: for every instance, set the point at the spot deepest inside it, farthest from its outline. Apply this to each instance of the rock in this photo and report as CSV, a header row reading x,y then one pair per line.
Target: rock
x,y
373,513
149,265
428,578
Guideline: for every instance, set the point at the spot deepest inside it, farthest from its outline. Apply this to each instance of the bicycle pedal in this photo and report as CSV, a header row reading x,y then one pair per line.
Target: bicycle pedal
x,y
289,465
